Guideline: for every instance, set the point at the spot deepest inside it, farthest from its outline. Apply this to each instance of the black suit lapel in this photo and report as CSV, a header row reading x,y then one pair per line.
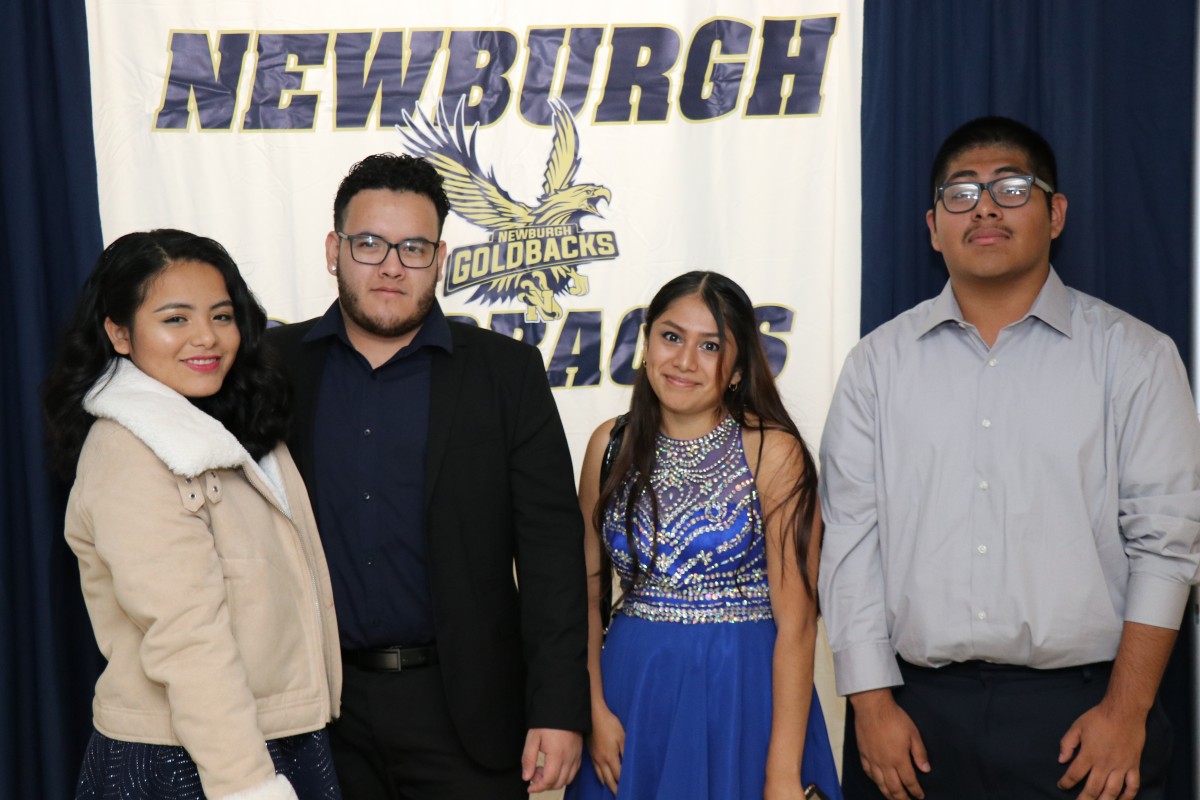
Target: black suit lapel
x,y
445,388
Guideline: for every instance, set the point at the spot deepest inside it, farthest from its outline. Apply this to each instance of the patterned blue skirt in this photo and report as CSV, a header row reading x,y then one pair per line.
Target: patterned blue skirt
x,y
695,702
116,770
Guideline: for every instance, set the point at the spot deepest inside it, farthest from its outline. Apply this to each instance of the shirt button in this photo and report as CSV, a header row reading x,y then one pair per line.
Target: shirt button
x,y
366,432
366,495
982,615
982,549
987,423
962,325
992,362
983,485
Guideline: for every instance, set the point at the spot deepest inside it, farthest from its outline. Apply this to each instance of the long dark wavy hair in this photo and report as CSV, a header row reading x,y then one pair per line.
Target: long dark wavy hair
x,y
254,401
754,403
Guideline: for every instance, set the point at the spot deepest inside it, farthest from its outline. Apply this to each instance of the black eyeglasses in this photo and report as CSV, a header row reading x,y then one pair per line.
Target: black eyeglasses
x,y
1011,191
367,248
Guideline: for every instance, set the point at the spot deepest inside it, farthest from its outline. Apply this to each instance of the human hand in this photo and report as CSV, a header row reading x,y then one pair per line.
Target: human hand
x,y
783,788
1105,746
889,744
562,750
606,745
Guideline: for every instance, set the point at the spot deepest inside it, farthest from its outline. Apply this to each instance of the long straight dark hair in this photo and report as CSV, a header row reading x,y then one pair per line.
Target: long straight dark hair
x,y
754,403
253,402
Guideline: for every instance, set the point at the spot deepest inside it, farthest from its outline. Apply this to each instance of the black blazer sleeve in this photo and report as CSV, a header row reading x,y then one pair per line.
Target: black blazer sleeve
x,y
501,492
550,567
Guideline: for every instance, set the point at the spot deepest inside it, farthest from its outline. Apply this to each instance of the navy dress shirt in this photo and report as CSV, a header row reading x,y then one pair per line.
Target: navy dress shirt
x,y
369,441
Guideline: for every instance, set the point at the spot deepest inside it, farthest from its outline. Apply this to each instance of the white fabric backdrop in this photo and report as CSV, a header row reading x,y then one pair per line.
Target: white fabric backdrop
x,y
767,193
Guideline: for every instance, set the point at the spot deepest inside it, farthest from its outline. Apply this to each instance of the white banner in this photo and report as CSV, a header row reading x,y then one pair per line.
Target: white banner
x,y
722,137
716,135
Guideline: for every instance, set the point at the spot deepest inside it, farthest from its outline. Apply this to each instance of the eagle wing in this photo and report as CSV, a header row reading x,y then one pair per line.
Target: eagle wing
x,y
472,192
564,152
476,196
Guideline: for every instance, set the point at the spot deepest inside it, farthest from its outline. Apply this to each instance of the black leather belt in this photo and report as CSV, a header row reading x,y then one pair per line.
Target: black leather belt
x,y
391,659
984,669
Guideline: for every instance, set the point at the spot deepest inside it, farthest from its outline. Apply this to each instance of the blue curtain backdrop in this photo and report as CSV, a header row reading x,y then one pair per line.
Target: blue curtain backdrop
x,y
1111,85
49,236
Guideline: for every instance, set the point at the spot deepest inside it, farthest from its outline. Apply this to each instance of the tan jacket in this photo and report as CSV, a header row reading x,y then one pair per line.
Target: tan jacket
x,y
205,582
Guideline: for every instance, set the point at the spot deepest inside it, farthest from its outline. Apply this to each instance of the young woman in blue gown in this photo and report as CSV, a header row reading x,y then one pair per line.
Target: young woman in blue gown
x,y
704,685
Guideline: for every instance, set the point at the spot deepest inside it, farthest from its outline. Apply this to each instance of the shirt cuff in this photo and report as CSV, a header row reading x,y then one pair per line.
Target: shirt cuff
x,y
277,788
862,667
1151,600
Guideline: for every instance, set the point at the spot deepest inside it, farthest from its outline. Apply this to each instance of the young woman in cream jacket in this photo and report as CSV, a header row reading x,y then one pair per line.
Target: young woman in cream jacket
x,y
198,552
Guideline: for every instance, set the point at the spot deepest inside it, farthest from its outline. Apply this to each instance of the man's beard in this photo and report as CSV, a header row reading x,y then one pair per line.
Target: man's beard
x,y
384,328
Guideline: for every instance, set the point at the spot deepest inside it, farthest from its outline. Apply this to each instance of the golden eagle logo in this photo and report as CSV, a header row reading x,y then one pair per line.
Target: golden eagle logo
x,y
534,251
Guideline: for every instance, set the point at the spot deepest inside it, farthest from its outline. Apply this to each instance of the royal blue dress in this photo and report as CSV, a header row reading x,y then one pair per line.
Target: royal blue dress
x,y
687,662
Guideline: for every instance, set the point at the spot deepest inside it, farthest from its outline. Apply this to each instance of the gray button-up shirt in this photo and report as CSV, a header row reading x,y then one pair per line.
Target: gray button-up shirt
x,y
1015,504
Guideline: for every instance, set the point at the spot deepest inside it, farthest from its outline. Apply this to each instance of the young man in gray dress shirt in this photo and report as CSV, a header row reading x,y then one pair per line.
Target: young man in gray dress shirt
x,y
1011,494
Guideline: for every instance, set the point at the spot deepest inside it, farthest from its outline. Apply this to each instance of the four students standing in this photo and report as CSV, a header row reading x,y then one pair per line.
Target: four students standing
x,y
1009,488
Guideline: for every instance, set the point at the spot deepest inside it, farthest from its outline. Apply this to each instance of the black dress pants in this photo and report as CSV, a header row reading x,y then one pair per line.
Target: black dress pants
x,y
395,741
992,731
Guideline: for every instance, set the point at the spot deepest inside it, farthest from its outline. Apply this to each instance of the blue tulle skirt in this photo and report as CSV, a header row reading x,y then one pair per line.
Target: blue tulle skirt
x,y
117,770
695,701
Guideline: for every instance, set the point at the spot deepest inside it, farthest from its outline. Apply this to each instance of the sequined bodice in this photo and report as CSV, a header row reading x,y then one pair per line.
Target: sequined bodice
x,y
709,561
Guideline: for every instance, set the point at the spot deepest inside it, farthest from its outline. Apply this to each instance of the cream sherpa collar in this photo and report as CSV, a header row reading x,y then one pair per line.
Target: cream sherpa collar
x,y
186,439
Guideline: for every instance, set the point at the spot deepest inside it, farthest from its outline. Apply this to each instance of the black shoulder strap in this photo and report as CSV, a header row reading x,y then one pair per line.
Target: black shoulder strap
x,y
606,464
615,436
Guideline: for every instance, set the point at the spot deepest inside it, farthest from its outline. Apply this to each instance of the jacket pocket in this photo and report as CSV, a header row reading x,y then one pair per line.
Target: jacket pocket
x,y
265,612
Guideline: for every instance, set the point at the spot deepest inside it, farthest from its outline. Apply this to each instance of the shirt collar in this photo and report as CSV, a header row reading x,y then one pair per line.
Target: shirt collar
x,y
944,309
1052,306
434,332
330,324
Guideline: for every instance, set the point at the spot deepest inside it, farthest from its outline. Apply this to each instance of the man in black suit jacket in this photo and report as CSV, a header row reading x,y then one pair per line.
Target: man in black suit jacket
x,y
435,459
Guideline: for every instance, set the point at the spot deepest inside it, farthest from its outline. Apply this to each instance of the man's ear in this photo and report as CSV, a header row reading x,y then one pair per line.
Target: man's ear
x,y
441,261
931,221
332,245
1058,214
118,335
